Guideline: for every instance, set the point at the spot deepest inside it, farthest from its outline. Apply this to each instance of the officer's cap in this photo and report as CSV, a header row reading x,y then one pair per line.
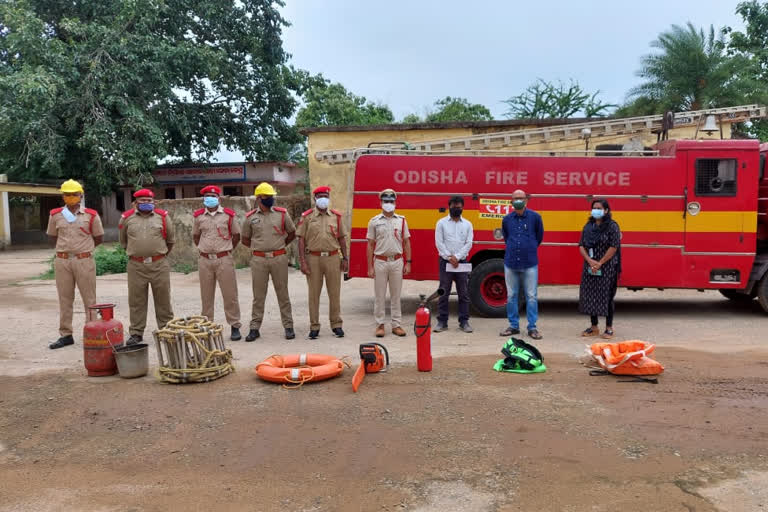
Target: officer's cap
x,y
388,194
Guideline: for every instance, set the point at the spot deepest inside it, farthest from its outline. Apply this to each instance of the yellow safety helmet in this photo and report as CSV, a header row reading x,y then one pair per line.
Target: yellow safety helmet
x,y
264,189
70,187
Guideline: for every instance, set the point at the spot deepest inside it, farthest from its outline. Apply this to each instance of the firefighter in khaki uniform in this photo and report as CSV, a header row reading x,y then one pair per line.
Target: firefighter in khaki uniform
x,y
389,258
76,231
146,234
216,234
266,232
321,237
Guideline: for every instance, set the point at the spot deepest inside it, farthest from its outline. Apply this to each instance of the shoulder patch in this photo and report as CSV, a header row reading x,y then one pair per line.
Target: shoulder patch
x,y
307,212
198,213
160,212
56,210
128,213
279,209
336,212
251,212
230,212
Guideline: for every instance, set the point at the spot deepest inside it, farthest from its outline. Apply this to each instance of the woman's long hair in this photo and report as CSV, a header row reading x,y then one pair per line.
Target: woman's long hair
x,y
607,217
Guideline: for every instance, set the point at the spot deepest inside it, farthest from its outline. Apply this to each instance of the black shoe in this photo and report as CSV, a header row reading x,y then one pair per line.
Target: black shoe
x,y
289,334
134,339
235,336
314,334
252,335
338,332
62,342
509,331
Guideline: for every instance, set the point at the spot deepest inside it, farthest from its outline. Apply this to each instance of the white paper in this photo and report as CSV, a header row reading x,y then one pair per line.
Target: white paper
x,y
463,267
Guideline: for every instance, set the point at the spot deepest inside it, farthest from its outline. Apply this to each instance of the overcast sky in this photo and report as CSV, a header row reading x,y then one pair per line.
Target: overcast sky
x,y
407,54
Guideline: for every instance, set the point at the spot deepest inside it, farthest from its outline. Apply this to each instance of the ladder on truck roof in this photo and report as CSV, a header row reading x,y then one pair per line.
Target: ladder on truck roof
x,y
512,138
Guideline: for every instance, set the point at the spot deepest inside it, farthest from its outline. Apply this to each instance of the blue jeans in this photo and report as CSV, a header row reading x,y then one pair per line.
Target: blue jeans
x,y
529,278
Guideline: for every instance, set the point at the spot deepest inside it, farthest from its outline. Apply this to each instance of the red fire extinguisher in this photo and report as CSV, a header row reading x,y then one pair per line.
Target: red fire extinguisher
x,y
423,330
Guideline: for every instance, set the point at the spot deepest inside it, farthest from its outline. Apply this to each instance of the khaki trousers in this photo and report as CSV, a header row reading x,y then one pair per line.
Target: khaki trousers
x,y
261,270
140,277
223,271
387,273
70,273
328,268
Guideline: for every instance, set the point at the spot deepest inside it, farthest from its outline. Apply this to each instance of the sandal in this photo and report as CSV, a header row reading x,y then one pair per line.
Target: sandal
x,y
608,334
591,331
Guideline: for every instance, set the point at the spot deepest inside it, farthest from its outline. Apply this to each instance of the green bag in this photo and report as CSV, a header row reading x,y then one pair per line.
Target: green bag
x,y
520,357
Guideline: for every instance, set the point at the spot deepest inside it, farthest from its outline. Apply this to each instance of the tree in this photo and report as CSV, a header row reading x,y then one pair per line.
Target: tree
x,y
751,47
458,109
411,118
690,72
99,90
330,104
558,101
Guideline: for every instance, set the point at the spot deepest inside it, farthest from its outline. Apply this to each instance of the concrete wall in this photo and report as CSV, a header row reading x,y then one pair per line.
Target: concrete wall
x,y
180,210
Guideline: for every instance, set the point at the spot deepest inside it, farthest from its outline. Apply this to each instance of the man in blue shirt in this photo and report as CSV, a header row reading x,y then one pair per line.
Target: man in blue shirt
x,y
523,231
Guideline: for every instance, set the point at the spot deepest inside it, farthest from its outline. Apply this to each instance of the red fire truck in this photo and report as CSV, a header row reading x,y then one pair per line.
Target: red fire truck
x,y
692,213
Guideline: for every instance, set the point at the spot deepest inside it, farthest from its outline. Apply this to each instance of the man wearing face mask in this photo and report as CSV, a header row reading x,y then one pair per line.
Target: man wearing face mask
x,y
389,258
523,232
453,238
75,231
267,231
146,234
322,238
216,234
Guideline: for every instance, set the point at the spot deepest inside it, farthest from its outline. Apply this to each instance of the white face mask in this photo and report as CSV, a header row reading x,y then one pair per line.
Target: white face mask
x,y
71,217
322,202
388,207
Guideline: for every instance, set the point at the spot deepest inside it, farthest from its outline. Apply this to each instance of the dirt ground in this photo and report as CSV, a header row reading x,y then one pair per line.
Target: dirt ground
x,y
461,437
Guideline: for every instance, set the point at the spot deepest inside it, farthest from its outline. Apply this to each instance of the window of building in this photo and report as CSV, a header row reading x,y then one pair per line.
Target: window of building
x,y
231,191
120,200
716,177
170,193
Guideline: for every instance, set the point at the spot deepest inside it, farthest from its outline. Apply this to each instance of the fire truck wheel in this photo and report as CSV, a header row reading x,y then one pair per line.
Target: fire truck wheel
x,y
487,289
737,296
762,292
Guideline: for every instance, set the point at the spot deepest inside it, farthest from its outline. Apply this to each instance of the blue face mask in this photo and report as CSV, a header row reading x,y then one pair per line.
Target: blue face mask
x,y
146,207
210,201
268,201
597,213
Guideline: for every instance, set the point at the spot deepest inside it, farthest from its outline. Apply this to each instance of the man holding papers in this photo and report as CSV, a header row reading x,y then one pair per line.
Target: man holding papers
x,y
453,238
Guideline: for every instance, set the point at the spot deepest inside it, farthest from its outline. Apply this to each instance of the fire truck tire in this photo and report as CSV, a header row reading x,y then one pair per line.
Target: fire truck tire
x,y
487,289
737,296
762,292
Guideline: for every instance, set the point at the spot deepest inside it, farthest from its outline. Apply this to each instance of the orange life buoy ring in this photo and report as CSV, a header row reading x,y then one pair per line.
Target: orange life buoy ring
x,y
299,368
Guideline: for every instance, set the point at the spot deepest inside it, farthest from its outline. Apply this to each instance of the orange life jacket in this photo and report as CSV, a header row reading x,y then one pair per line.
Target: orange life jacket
x,y
626,357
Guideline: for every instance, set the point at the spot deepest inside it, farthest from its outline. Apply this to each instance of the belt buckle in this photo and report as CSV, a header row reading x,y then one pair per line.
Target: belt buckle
x,y
325,253
390,258
212,256
147,260
269,254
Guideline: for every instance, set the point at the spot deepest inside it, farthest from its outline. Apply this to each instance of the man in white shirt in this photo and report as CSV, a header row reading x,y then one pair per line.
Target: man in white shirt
x,y
453,238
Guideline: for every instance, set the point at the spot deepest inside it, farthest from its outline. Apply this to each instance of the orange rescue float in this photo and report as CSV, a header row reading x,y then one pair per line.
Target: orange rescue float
x,y
299,368
626,358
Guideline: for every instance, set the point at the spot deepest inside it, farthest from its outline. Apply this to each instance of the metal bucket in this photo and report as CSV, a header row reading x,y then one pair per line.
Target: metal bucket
x,y
132,360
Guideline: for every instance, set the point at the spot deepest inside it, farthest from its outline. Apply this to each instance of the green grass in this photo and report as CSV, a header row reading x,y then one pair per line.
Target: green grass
x,y
109,260
184,268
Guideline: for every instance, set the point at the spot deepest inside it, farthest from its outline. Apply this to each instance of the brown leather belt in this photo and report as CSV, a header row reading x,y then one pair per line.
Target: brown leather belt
x,y
66,255
388,258
215,256
148,259
324,253
269,254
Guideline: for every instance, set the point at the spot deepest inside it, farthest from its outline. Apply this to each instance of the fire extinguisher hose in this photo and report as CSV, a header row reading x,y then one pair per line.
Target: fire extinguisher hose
x,y
423,328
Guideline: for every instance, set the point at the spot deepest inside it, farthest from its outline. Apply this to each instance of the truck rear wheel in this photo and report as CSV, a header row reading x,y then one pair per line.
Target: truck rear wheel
x,y
762,292
487,288
737,296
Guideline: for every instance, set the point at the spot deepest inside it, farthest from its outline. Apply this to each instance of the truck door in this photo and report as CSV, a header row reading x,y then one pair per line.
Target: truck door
x,y
719,241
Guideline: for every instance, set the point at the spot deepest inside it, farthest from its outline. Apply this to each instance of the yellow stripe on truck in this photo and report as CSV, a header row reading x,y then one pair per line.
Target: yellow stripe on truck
x,y
571,220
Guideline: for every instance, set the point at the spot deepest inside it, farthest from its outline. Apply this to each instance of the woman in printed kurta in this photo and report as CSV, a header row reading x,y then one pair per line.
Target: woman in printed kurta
x,y
600,246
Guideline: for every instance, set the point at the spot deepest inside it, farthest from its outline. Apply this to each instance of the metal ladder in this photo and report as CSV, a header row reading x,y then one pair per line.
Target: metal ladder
x,y
512,138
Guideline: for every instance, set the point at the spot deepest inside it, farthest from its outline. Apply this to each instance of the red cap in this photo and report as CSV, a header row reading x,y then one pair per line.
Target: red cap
x,y
211,189
145,192
320,190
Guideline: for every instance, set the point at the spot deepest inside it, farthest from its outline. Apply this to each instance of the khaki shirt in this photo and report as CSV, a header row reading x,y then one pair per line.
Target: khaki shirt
x,y
142,235
321,230
266,230
75,237
388,233
213,229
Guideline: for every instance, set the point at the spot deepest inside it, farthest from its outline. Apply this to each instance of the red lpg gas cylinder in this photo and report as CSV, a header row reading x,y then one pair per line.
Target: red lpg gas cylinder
x,y
99,336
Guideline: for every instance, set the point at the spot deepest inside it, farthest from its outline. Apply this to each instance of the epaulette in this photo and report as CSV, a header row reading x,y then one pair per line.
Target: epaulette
x,y
91,211
128,213
230,212
160,212
279,209
56,210
336,212
251,212
198,213
307,212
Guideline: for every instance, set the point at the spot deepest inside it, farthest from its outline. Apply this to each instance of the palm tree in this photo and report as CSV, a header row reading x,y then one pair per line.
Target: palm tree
x,y
690,72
